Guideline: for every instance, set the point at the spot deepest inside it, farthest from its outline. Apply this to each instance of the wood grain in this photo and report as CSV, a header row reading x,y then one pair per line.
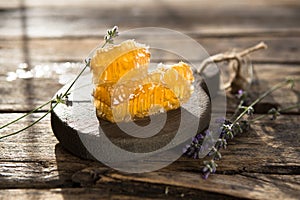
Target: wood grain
x,y
263,160
93,18
113,190
261,164
37,51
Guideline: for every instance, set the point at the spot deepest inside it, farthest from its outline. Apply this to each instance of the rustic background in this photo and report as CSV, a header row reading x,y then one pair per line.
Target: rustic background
x,y
262,164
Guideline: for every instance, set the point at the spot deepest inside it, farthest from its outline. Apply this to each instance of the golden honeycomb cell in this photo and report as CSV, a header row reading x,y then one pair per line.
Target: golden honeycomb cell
x,y
111,63
182,68
148,99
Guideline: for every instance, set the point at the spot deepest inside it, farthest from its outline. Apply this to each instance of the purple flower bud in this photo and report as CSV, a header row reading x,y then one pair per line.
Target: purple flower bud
x,y
205,175
195,155
240,92
214,170
199,136
194,140
206,133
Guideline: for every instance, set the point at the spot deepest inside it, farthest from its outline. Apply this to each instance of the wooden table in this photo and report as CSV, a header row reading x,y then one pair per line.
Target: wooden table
x,y
262,164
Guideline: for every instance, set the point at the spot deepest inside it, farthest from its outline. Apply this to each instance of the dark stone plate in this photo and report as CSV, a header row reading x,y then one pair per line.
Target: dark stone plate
x,y
74,123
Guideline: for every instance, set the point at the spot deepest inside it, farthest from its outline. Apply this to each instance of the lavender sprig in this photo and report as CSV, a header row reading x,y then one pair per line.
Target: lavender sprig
x,y
111,34
61,98
230,128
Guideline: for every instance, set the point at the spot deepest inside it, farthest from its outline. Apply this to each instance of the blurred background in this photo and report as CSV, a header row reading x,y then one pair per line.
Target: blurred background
x,y
49,39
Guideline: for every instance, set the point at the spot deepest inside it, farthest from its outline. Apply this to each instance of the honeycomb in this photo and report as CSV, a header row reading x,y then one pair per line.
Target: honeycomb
x,y
126,91
111,63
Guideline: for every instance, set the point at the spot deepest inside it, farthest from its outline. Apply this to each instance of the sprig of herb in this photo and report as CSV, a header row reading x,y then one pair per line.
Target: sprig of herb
x,y
274,113
250,108
61,98
229,129
111,34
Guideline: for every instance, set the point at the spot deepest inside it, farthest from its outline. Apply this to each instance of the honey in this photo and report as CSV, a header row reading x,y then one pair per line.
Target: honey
x,y
125,91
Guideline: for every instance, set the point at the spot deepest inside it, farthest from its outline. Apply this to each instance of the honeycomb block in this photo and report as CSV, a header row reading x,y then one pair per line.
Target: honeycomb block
x,y
125,91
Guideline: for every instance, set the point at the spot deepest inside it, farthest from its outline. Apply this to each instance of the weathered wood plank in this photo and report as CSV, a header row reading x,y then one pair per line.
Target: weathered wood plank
x,y
113,190
39,140
25,94
240,186
260,164
119,188
93,18
179,184
9,4
36,51
173,3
